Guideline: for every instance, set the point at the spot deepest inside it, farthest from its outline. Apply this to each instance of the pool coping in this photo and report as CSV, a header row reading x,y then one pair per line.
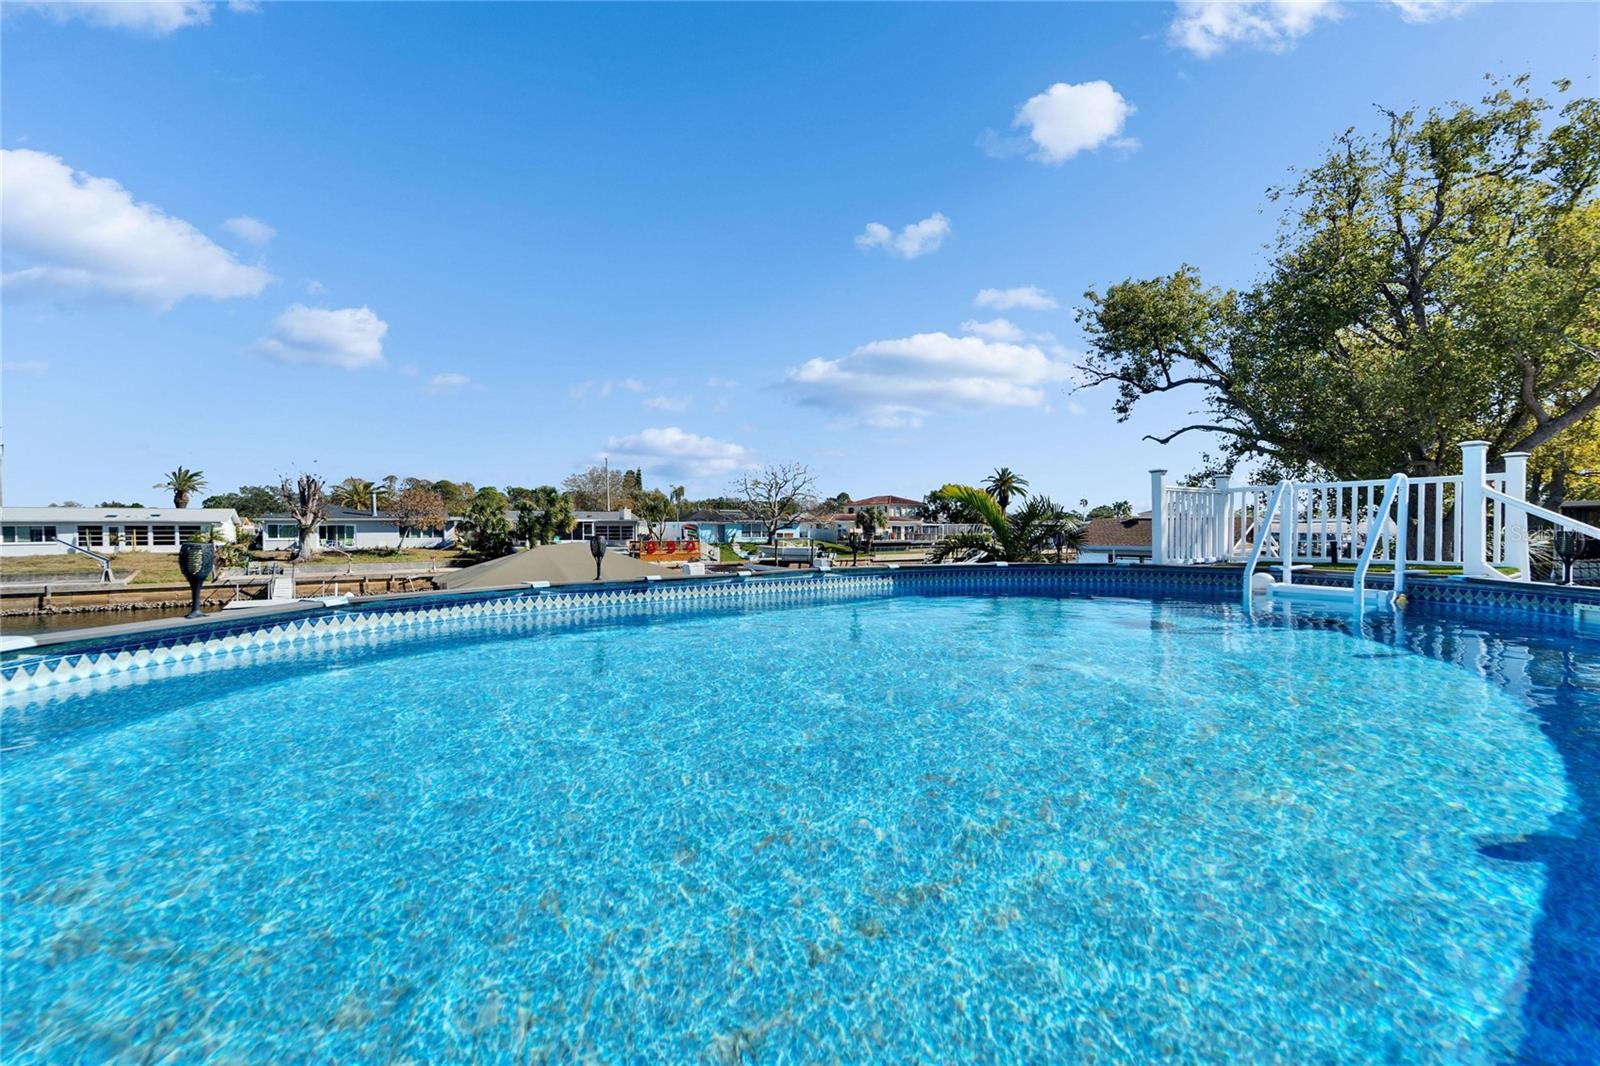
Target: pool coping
x,y
69,655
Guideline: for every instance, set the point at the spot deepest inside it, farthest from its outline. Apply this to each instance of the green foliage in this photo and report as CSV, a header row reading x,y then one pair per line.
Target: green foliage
x,y
1004,484
1027,534
1120,509
1434,283
871,520
251,501
354,492
544,514
936,507
655,507
183,483
457,495
485,530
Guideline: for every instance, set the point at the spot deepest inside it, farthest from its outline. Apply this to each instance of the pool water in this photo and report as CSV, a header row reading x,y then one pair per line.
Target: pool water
x,y
907,828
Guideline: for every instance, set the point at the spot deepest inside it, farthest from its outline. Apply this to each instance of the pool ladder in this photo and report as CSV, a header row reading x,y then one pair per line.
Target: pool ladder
x,y
1396,501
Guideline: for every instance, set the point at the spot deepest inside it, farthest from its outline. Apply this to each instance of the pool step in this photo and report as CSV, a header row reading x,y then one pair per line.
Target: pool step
x,y
1331,596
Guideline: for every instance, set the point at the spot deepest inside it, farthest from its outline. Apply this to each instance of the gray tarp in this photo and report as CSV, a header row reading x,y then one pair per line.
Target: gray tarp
x,y
559,564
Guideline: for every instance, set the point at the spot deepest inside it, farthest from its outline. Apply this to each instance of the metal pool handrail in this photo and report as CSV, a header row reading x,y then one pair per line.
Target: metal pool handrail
x,y
1396,492
1263,528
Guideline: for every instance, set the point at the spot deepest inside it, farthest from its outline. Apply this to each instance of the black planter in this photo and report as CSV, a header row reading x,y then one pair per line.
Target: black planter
x,y
196,561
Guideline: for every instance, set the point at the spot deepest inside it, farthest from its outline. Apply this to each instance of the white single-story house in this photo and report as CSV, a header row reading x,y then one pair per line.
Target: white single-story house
x,y
108,530
353,529
615,527
1116,540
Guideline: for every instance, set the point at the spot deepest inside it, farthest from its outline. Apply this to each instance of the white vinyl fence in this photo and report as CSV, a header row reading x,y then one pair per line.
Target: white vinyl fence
x,y
1477,521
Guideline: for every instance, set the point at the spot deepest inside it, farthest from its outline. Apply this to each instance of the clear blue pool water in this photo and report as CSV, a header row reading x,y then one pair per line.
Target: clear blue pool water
x,y
910,828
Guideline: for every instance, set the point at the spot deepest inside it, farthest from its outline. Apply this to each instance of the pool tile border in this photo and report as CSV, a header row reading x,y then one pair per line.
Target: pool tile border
x,y
1549,605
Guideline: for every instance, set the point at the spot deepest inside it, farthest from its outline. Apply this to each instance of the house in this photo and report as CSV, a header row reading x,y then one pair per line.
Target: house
x,y
718,525
614,527
906,526
354,529
1116,540
107,530
893,506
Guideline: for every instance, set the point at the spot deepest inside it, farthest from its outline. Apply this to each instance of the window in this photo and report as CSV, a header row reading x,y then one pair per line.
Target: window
x,y
282,531
136,536
185,532
342,535
91,536
29,534
163,536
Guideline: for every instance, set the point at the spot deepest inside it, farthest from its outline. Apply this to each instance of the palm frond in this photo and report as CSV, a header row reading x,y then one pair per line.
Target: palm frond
x,y
981,503
963,547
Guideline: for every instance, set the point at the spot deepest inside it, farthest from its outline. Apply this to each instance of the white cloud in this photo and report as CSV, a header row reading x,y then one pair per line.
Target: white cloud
x,y
350,338
1067,119
1208,27
1030,297
72,235
996,329
156,18
315,287
672,452
916,239
448,382
714,382
252,230
668,403
1430,10
897,383
34,367
622,385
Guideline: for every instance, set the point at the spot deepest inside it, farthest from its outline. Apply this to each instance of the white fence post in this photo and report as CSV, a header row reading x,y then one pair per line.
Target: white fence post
x,y
1158,503
1221,537
1474,508
1516,531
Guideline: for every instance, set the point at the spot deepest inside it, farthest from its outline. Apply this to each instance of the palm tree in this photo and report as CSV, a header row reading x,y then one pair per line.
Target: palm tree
x,y
354,492
869,520
183,482
1017,537
1003,484
679,493
544,515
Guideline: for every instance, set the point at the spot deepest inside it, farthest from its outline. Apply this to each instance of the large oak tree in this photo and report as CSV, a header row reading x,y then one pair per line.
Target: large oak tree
x,y
1433,283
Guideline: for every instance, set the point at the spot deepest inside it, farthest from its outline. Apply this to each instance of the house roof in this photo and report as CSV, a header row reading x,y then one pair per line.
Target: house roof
x,y
885,501
716,514
336,513
1117,533
51,515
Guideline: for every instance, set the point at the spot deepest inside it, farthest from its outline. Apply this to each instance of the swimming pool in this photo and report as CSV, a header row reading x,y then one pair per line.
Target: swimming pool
x,y
898,827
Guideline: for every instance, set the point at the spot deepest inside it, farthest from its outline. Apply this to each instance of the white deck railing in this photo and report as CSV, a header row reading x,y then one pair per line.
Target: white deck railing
x,y
1476,521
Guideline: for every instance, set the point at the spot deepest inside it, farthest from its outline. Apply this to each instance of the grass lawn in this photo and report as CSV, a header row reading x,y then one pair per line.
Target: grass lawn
x,y
155,568
158,568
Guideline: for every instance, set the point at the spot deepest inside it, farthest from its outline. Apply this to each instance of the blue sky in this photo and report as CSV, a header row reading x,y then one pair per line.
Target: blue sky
x,y
493,242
